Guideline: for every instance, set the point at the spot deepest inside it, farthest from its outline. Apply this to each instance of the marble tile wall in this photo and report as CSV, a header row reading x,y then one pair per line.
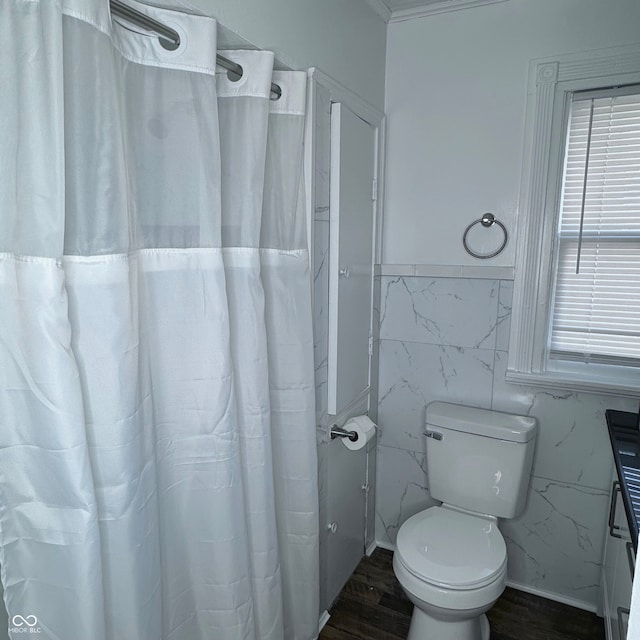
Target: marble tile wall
x,y
447,339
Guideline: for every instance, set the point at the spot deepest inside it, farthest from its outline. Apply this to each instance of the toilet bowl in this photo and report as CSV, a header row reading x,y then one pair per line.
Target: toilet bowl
x,y
452,566
451,560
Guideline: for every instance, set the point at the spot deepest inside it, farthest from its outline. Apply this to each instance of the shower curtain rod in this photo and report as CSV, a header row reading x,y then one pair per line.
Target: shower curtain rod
x,y
126,12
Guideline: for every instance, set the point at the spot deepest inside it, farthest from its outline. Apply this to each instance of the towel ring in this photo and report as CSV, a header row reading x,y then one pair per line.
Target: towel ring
x,y
487,220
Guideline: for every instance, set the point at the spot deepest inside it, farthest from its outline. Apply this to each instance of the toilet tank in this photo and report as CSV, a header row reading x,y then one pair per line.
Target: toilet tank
x,y
479,459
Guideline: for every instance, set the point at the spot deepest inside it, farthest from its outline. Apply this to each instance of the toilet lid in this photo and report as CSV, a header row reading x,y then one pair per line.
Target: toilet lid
x,y
451,549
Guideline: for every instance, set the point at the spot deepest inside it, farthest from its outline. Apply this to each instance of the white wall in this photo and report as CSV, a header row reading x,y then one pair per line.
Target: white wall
x,y
345,39
455,105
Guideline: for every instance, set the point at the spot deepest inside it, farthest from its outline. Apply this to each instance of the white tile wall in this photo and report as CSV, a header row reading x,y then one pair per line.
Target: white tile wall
x,y
572,444
412,374
401,490
504,315
435,311
447,339
556,545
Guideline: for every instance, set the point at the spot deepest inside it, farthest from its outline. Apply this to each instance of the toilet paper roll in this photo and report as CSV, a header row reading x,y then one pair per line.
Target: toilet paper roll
x,y
365,429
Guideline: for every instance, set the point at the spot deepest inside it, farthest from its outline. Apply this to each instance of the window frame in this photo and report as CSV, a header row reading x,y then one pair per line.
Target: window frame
x,y
552,82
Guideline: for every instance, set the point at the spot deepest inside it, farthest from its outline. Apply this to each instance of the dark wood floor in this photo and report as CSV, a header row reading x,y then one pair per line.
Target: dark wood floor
x,y
372,606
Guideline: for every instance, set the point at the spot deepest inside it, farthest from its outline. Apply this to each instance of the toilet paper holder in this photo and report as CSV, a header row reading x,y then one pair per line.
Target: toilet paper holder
x,y
339,432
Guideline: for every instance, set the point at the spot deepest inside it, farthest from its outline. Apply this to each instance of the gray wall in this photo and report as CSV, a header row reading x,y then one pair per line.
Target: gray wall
x,y
455,104
345,39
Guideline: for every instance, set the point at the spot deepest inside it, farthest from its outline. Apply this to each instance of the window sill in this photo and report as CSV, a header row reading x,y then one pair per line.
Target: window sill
x,y
614,383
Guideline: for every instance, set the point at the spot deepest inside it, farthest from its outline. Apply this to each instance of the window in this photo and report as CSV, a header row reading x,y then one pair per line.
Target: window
x,y
576,308
596,306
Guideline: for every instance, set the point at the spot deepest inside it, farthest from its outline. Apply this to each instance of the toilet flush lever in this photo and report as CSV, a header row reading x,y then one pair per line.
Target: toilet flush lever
x,y
436,435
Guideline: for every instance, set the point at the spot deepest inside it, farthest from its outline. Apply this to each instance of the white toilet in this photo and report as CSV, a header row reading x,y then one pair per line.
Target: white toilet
x,y
451,560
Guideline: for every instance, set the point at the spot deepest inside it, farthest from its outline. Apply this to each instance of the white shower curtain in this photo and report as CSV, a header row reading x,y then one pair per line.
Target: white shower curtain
x,y
157,450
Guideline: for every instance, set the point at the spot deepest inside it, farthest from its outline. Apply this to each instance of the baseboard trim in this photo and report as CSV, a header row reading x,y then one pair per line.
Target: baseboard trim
x,y
549,595
556,597
371,548
385,545
324,618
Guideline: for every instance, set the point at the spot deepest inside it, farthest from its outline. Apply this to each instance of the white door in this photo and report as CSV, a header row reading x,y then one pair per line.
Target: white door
x,y
353,160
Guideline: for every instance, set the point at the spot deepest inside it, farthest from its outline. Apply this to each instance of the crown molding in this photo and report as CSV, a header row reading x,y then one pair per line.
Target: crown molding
x,y
380,8
435,8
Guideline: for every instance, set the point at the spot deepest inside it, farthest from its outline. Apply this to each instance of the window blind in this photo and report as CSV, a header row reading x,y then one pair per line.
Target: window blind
x,y
596,312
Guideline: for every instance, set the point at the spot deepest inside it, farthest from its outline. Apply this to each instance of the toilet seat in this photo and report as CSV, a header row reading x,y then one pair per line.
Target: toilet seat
x,y
451,549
